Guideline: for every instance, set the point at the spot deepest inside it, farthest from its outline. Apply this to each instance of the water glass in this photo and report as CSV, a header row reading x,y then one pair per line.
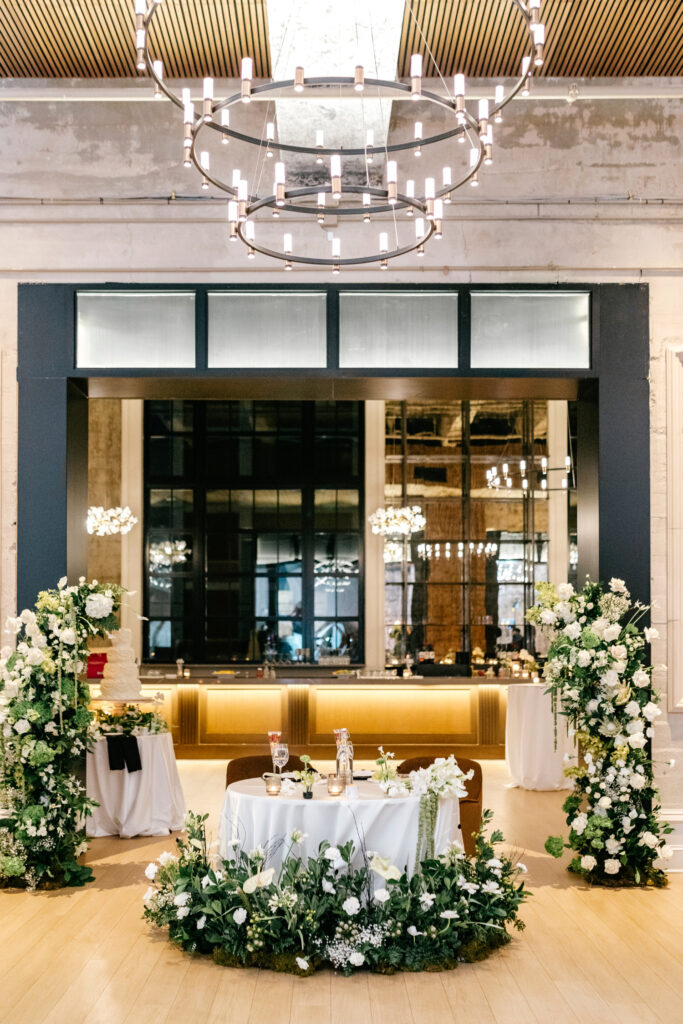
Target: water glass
x,y
280,756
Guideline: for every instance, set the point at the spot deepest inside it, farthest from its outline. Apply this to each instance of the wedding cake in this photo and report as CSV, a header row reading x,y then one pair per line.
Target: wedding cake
x,y
120,680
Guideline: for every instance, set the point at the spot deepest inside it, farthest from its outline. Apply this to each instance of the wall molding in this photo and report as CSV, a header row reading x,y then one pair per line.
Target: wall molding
x,y
674,526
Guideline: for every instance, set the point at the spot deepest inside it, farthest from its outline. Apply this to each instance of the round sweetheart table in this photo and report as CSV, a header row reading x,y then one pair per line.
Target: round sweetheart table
x,y
384,825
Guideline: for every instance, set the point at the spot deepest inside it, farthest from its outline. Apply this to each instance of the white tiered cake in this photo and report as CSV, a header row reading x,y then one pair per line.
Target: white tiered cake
x,y
120,679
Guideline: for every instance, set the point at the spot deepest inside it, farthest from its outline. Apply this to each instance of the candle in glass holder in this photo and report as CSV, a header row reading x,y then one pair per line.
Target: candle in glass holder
x,y
273,784
335,785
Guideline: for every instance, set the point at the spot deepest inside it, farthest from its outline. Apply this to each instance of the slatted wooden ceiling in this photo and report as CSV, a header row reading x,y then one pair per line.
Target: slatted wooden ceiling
x,y
96,38
586,38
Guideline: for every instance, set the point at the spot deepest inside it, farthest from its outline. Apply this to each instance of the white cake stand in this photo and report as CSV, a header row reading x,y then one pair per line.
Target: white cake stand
x,y
119,705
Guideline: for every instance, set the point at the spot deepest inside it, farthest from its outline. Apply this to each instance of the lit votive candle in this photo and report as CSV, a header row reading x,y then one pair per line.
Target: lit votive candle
x,y
335,785
273,785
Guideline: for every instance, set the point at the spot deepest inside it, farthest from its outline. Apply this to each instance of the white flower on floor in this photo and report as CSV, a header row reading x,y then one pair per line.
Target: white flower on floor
x,y
357,959
298,836
260,880
651,634
182,912
448,915
382,895
612,866
426,900
327,886
351,906
150,871
588,862
301,963
201,922
182,899
167,858
240,915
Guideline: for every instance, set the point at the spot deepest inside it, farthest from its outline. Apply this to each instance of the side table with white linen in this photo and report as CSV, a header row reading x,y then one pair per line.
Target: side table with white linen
x,y
532,760
148,802
380,824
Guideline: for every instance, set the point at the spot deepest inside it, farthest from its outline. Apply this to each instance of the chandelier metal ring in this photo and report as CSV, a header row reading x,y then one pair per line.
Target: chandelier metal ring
x,y
243,205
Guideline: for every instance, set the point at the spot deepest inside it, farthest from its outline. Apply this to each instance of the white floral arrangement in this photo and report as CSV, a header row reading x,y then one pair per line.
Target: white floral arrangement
x,y
45,732
599,675
323,911
105,522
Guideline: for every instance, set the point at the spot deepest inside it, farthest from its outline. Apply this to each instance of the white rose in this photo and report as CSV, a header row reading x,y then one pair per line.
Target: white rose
x,y
604,801
651,711
240,915
583,659
626,824
651,634
613,845
357,959
610,678
382,895
637,781
98,606
666,852
301,963
592,706
34,656
327,886
618,651
612,866
182,899
351,906
182,912
641,678
573,630
611,632
547,616
22,726
588,862
579,823
68,636
332,853
649,839
201,922
150,871
632,709
617,586
637,741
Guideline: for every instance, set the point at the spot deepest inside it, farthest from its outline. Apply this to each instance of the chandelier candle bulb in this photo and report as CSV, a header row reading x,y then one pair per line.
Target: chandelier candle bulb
x,y
320,142
499,97
474,160
140,44
335,174
419,227
526,64
367,201
247,72
288,264
383,241
236,178
418,137
225,123
321,208
483,118
242,198
488,146
298,79
429,197
280,177
459,93
250,235
538,32
208,99
158,66
287,244
359,78
416,76
438,219
369,144
232,218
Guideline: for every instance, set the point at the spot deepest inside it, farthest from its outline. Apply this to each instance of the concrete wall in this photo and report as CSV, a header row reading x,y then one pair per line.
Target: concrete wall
x,y
587,192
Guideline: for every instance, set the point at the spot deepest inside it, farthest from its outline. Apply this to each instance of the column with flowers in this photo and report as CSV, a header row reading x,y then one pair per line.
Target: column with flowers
x,y
600,679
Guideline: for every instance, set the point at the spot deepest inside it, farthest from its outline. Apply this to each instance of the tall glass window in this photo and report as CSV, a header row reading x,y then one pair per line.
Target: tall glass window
x,y
253,531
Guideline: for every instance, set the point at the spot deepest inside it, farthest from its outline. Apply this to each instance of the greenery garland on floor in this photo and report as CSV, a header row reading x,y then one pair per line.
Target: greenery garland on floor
x,y
325,911
601,682
44,734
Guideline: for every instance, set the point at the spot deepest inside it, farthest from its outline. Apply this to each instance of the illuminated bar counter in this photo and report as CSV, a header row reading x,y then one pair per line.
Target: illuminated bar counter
x,y
225,716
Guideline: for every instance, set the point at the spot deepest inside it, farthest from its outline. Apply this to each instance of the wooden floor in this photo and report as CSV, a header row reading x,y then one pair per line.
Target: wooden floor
x,y
86,957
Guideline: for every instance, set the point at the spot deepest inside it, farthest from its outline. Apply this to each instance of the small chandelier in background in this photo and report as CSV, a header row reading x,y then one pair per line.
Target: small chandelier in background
x,y
397,522
400,195
505,479
447,549
105,522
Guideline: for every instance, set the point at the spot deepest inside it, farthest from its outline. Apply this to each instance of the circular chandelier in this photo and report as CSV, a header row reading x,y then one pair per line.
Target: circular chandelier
x,y
398,196
397,522
105,522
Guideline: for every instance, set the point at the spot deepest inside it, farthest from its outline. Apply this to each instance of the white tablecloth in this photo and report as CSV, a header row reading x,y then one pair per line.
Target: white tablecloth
x,y
145,803
530,751
385,825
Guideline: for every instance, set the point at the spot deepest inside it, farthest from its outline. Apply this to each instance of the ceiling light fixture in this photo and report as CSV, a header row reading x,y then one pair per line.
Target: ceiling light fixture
x,y
395,195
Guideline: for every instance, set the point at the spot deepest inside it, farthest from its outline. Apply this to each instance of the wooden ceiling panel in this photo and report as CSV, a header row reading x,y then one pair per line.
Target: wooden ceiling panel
x,y
96,38
586,38
483,38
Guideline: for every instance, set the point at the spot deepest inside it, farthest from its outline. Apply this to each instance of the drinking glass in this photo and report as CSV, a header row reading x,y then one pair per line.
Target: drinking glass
x,y
280,756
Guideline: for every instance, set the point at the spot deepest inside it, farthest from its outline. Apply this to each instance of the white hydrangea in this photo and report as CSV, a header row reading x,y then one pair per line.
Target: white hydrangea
x,y
583,658
351,906
588,862
98,606
573,630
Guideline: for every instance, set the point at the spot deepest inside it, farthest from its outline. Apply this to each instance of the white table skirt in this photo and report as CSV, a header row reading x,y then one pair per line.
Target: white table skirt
x,y
381,824
145,803
532,760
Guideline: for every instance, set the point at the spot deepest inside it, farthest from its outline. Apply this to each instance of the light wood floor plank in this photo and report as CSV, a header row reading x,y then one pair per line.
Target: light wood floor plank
x,y
312,999
350,999
234,997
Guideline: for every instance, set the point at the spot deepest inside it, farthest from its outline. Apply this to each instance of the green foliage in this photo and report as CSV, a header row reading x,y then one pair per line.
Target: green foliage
x,y
336,908
554,845
46,724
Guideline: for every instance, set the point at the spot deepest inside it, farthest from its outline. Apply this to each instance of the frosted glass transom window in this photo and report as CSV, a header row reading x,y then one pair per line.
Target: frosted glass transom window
x,y
398,329
267,329
536,330
135,329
